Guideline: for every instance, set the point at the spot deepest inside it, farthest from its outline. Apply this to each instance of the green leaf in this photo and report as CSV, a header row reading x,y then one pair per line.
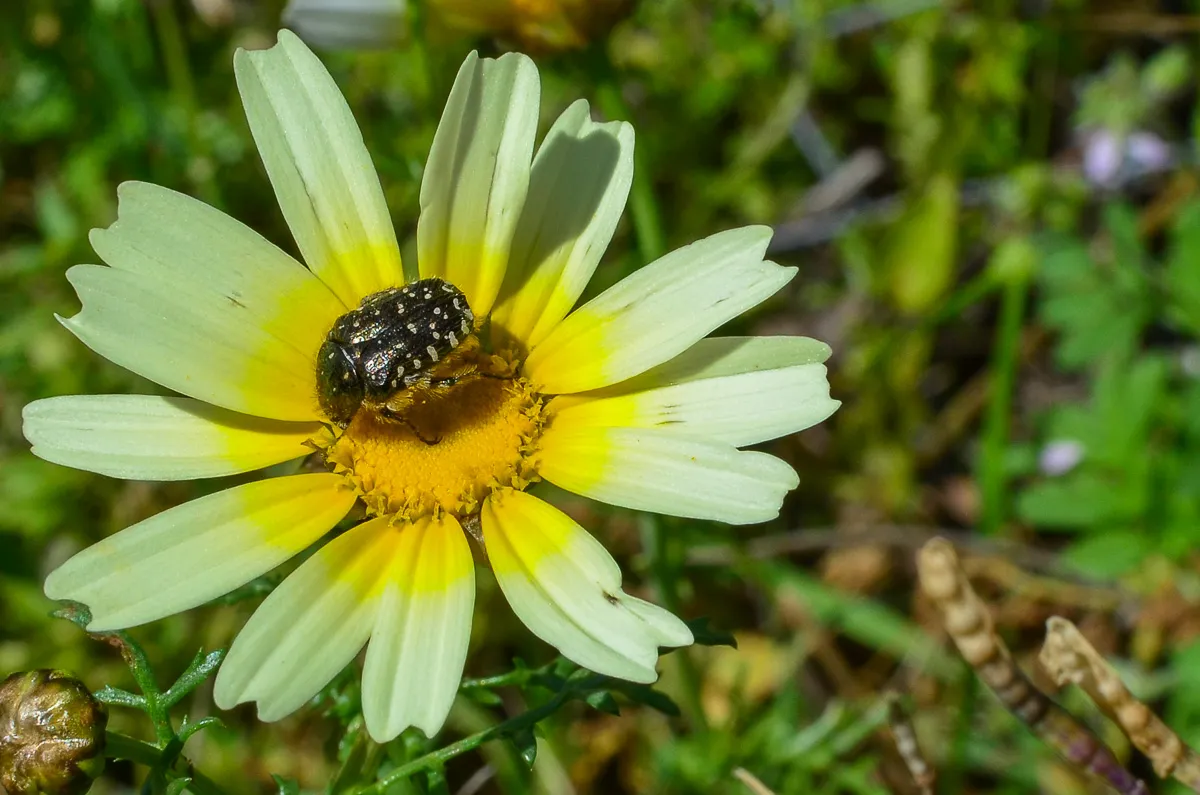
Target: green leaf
x,y
648,696
187,730
1108,554
1181,276
1099,309
526,745
603,701
921,250
120,698
435,781
285,786
704,634
1125,402
201,666
178,786
1079,501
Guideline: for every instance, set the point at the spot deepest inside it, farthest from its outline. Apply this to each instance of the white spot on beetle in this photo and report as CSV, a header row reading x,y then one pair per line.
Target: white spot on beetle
x,y
412,328
432,353
453,339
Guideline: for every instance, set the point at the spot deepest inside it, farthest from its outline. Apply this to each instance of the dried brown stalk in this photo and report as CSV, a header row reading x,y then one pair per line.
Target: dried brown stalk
x,y
905,738
1068,657
970,626
751,781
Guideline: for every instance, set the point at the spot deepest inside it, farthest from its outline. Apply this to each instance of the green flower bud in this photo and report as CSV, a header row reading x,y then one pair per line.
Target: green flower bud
x,y
51,734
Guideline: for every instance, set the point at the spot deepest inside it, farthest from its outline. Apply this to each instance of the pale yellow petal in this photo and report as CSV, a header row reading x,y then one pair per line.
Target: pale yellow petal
x,y
171,236
311,626
200,550
658,312
200,344
320,168
739,390
654,470
566,588
581,178
477,175
419,645
144,437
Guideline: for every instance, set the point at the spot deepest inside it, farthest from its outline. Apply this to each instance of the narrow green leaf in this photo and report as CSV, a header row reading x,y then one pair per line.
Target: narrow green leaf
x,y
526,745
120,698
603,701
285,786
705,634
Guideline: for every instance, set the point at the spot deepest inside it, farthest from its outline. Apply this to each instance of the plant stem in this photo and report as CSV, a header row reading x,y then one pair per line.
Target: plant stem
x,y
662,571
992,476
139,665
120,746
522,721
643,209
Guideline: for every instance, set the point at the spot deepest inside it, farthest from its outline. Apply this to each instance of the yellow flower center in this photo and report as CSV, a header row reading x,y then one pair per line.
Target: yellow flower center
x,y
451,448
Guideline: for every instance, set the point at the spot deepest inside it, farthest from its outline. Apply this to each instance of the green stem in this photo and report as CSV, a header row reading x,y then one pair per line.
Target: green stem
x,y
179,79
643,209
522,721
992,476
950,782
662,571
516,677
120,746
139,665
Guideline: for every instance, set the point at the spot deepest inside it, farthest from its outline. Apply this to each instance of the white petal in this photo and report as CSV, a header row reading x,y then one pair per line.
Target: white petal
x,y
738,390
197,343
164,234
581,178
567,589
310,627
319,166
143,437
189,555
658,312
348,23
654,470
419,645
477,175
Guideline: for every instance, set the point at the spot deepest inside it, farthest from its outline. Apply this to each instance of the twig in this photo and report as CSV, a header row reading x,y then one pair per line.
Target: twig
x,y
1068,657
970,626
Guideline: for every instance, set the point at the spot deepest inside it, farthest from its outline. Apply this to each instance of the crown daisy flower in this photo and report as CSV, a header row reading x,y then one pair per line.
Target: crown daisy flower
x,y
436,402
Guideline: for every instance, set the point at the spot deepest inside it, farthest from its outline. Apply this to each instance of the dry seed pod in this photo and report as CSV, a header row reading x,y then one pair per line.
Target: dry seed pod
x,y
1068,657
970,626
905,737
51,734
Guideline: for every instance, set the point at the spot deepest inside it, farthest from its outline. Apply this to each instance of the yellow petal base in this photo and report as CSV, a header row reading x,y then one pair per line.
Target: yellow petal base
x,y
451,450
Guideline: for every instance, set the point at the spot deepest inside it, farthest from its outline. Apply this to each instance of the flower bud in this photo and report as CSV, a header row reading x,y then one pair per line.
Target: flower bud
x,y
51,734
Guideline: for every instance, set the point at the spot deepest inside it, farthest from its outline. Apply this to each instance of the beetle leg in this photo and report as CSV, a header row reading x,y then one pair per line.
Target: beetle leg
x,y
396,416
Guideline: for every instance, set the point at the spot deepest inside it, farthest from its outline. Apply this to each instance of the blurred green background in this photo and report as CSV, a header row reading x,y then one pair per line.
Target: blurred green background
x,y
995,210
